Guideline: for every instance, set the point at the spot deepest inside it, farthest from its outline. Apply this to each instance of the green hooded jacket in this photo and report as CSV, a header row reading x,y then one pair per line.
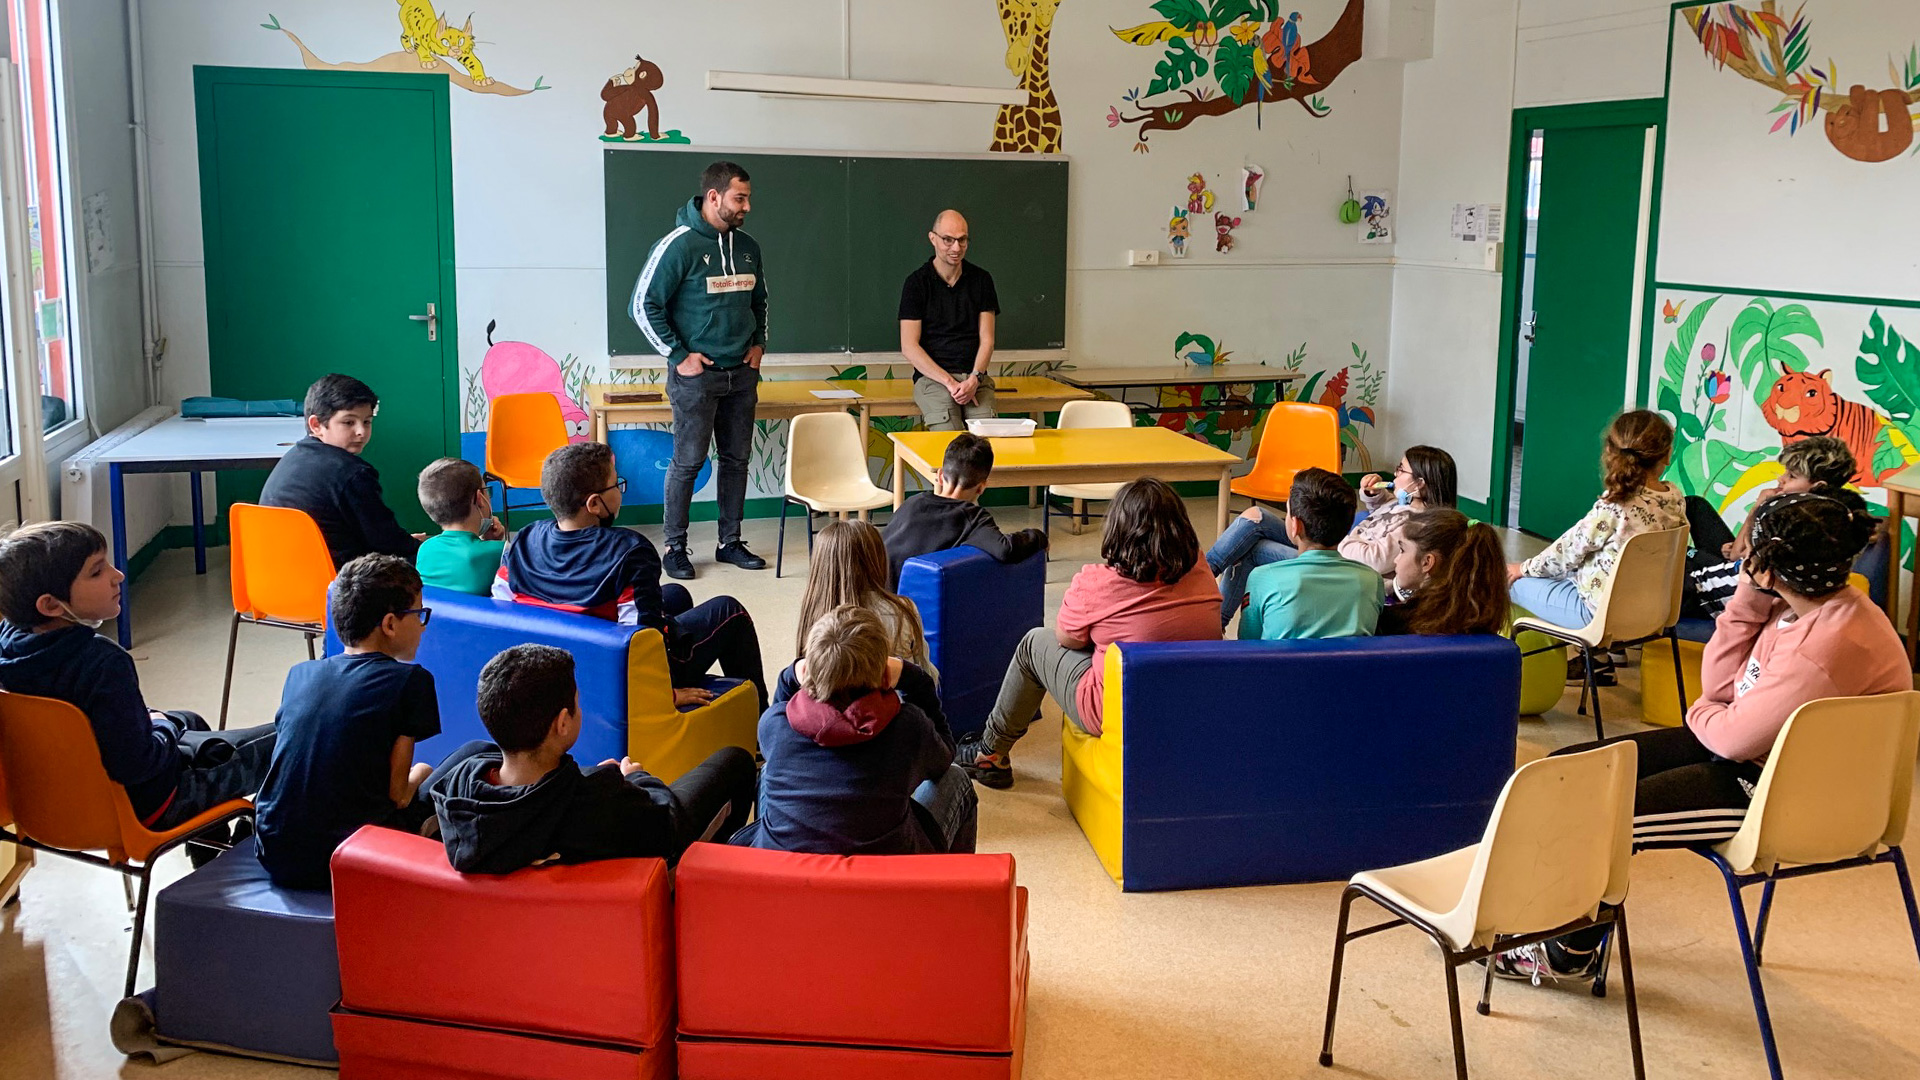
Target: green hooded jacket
x,y
702,291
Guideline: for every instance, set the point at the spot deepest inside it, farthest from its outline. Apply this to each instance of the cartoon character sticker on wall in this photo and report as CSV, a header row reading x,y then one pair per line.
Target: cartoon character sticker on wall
x,y
1199,196
1223,226
1177,233
515,367
630,93
1251,177
1376,217
428,42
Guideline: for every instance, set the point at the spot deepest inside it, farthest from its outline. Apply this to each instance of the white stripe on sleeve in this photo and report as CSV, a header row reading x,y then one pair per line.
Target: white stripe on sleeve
x,y
640,291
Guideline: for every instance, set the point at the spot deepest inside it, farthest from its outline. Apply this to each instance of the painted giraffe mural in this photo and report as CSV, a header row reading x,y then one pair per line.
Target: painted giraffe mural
x,y
1033,128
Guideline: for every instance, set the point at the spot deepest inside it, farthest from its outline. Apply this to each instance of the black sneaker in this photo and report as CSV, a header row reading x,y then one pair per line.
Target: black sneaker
x,y
1603,670
676,564
972,757
737,554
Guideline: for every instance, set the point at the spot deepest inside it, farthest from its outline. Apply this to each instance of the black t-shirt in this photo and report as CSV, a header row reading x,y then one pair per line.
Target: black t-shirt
x,y
949,314
332,762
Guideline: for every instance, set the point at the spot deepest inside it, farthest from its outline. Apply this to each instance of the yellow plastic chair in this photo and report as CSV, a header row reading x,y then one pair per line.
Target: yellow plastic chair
x,y
826,474
522,429
281,570
669,740
1298,436
64,804
1641,602
1553,860
1834,795
1085,414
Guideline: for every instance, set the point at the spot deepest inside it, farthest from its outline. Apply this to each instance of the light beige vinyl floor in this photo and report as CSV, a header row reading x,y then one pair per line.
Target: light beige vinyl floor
x,y
1219,983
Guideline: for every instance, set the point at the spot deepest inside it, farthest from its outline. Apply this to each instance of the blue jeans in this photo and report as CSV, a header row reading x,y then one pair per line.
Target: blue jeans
x,y
1242,547
1556,600
714,407
718,631
952,806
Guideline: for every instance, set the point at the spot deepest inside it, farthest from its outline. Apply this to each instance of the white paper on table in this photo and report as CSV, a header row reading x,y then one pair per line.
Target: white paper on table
x,y
835,395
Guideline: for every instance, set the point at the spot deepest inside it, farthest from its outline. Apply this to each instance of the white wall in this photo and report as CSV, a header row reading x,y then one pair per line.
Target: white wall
x,y
527,172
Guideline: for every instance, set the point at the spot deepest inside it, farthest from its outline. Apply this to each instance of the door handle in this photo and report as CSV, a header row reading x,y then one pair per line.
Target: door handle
x,y
432,319
1526,328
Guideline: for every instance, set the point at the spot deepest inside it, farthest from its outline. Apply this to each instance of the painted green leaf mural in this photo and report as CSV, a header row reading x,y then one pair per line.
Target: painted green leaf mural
x,y
1710,467
1886,455
1761,343
1180,66
1680,357
1889,368
1181,13
1233,67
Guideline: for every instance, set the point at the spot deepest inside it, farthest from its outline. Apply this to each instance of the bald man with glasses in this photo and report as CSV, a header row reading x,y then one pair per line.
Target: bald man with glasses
x,y
947,311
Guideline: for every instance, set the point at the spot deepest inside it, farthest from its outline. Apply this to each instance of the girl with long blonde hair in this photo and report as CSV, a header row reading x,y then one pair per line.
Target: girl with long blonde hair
x,y
850,567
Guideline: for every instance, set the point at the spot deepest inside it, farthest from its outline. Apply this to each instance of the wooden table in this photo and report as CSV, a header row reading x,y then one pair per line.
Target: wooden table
x,y
786,399
1903,501
1154,376
1075,456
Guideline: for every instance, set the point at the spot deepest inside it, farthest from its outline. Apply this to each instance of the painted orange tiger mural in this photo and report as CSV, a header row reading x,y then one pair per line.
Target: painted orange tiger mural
x,y
1803,404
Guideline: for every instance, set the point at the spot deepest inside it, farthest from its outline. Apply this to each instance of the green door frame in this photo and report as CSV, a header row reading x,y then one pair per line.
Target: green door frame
x,y
206,77
1650,111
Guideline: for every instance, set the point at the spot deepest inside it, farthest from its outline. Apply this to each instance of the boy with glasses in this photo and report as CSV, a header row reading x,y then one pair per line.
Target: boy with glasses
x,y
579,561
347,726
947,312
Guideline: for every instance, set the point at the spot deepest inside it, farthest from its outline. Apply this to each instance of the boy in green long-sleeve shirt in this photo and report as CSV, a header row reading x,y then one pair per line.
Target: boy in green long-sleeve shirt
x,y
1319,593
465,557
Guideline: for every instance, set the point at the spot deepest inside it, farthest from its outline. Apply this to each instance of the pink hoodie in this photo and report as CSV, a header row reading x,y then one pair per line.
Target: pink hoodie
x,y
1763,663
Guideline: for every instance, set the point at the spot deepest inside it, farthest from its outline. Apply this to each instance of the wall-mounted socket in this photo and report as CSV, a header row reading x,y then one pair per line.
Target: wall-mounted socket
x,y
1149,257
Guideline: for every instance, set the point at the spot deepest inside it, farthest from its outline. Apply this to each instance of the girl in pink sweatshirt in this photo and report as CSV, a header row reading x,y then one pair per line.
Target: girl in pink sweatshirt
x,y
1794,632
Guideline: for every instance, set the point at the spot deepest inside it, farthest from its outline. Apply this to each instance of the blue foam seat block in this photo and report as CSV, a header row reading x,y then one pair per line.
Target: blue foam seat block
x,y
975,611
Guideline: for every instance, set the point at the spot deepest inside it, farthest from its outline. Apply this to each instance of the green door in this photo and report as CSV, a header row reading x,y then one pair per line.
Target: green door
x,y
1584,290
327,215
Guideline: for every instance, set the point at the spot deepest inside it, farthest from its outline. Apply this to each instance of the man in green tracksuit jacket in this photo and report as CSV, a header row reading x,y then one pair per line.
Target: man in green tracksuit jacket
x,y
702,302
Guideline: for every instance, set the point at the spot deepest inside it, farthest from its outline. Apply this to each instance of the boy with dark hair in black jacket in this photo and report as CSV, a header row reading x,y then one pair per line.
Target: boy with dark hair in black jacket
x,y
325,476
951,516
56,587
524,801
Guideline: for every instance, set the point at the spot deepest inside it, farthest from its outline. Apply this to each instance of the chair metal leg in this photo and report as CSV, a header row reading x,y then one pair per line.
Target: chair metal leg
x,y
1485,1007
226,688
780,549
1626,983
1333,990
139,927
313,641
1753,970
1760,924
1593,694
1679,676
126,889
1453,1013
1606,959
1906,893
809,510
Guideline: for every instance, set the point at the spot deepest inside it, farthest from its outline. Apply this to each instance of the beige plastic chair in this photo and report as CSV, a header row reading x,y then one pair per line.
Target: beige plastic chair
x,y
1553,860
826,473
1641,602
1085,414
1834,795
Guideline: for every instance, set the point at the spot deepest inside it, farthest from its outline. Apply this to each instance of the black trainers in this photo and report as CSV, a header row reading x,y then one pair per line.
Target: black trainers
x,y
1603,670
972,757
676,564
737,554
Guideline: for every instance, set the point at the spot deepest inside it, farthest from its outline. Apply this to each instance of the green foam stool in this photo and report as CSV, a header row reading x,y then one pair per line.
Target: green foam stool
x,y
1543,676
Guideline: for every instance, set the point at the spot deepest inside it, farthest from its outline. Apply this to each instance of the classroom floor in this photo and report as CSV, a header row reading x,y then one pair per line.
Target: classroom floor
x,y
1219,984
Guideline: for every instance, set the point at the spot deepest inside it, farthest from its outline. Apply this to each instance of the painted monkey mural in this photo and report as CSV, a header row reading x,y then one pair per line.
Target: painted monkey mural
x,y
629,94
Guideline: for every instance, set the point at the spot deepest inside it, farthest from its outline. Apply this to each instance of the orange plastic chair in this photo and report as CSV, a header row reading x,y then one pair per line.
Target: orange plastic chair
x,y
64,804
281,571
522,429
1299,436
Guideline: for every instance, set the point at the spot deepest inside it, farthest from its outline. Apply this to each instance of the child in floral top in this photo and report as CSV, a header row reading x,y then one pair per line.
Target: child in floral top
x,y
1562,583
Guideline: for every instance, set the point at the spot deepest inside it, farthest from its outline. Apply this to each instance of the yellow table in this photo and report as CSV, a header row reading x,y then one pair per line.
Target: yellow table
x,y
1076,456
786,399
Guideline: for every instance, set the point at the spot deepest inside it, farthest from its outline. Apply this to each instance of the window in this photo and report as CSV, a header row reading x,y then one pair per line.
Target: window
x,y
30,28
1535,150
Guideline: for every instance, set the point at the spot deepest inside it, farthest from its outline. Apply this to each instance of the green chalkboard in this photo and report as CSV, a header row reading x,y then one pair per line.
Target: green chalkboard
x,y
830,288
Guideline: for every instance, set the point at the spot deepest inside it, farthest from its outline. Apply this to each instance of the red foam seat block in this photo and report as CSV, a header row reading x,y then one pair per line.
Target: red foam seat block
x,y
389,1048
419,940
924,952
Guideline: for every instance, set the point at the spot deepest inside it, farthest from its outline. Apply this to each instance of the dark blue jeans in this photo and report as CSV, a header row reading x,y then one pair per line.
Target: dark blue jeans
x,y
715,406
718,631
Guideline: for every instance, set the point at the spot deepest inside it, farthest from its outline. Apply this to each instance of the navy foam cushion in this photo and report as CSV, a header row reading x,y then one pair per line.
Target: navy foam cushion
x,y
243,963
975,610
1264,762
466,631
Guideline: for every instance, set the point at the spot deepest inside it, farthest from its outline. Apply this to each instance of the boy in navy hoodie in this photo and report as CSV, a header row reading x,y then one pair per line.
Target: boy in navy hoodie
x,y
525,801
580,561
324,475
56,587
951,516
859,755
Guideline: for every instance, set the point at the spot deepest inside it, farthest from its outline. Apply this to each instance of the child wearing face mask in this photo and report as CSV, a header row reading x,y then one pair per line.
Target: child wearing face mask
x,y
579,561
56,586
